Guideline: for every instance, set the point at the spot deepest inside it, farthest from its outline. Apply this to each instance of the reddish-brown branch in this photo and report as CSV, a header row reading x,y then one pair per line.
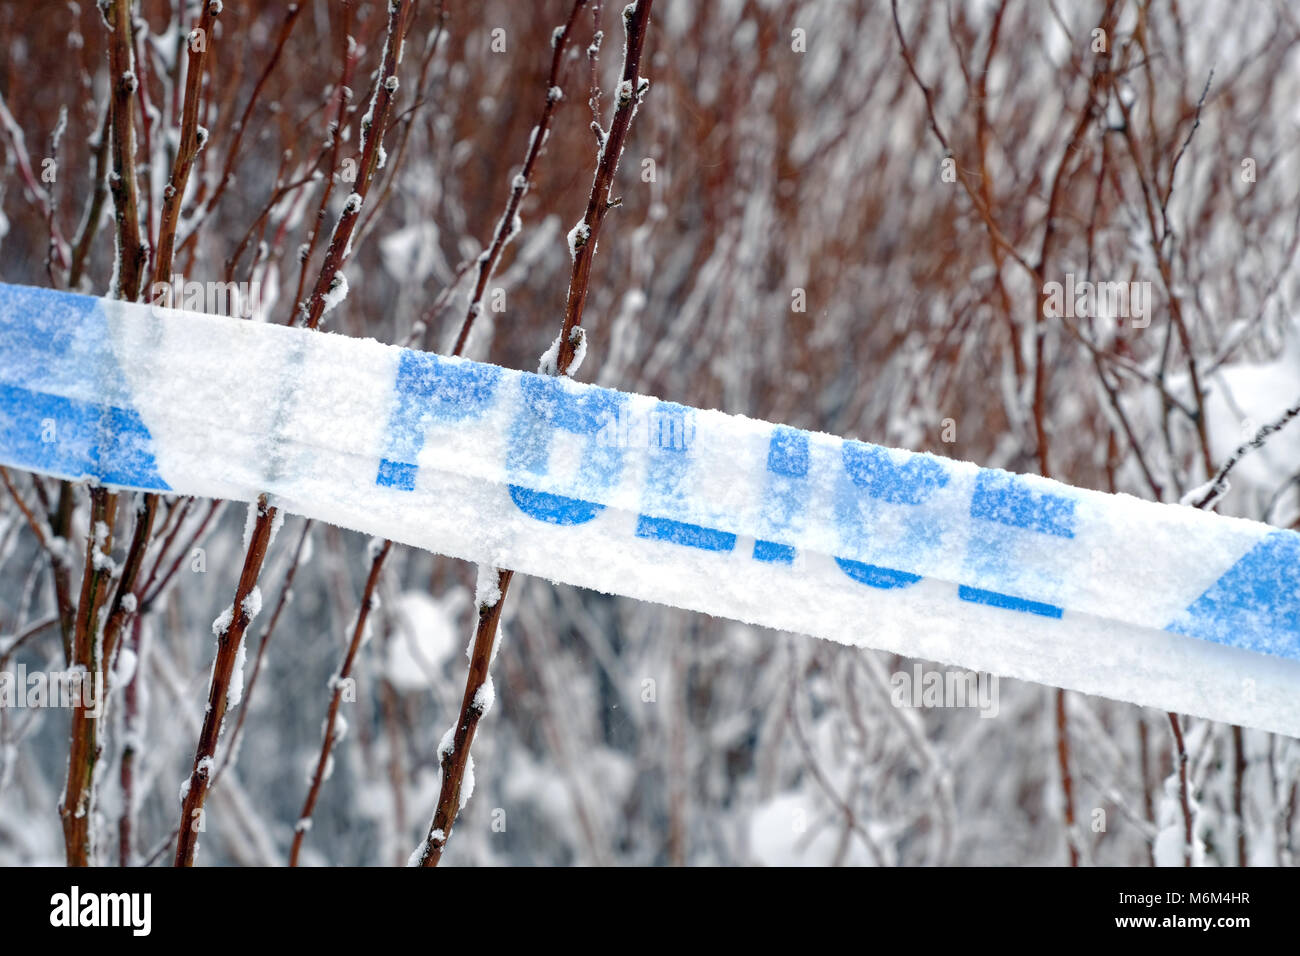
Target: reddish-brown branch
x,y
126,600
506,227
189,146
130,746
373,127
1184,790
456,759
333,149
330,733
285,590
151,591
1067,780
89,227
229,638
241,126
121,67
628,96
76,809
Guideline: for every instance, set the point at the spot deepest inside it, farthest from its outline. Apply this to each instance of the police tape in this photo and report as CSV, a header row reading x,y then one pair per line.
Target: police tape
x,y
1017,575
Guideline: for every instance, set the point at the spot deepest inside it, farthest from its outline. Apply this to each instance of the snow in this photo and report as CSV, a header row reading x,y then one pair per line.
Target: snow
x,y
1011,575
549,363
467,782
485,696
425,637
222,622
578,237
1245,396
413,253
486,590
447,746
250,522
235,692
124,670
1171,841
579,337
338,291
252,603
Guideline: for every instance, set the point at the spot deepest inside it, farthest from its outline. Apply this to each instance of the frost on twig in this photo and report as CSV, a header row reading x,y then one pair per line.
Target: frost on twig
x,y
1208,495
549,363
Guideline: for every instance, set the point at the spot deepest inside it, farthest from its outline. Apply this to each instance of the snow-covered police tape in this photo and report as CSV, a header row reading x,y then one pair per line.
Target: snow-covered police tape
x,y
1016,575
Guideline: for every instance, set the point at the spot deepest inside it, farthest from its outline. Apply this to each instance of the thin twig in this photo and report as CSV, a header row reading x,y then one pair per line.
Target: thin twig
x,y
1210,495
1184,794
230,637
454,755
330,733
508,226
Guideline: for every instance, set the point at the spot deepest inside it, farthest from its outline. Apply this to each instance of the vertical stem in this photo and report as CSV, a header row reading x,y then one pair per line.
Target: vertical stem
x,y
1144,767
130,742
1184,794
636,18
229,638
455,760
76,809
1238,786
1067,781
336,698
121,68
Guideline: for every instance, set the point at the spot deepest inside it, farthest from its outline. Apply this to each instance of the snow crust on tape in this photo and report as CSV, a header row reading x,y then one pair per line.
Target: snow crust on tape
x,y
1014,574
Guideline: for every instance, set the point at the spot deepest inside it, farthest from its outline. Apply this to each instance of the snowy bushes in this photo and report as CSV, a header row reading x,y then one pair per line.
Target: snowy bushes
x,y
801,247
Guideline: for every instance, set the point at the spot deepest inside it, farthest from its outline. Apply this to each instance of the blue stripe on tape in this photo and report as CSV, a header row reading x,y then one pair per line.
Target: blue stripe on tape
x,y
55,347
1256,604
681,532
1008,601
76,439
876,576
773,553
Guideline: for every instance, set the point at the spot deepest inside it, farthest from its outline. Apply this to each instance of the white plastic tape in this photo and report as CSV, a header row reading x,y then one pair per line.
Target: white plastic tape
x,y
1156,604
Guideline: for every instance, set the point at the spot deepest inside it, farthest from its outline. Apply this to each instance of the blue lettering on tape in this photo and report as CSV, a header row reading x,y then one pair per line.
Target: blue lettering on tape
x,y
774,552
429,390
684,533
875,471
787,466
866,507
666,491
1010,500
876,576
548,406
1009,513
78,439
